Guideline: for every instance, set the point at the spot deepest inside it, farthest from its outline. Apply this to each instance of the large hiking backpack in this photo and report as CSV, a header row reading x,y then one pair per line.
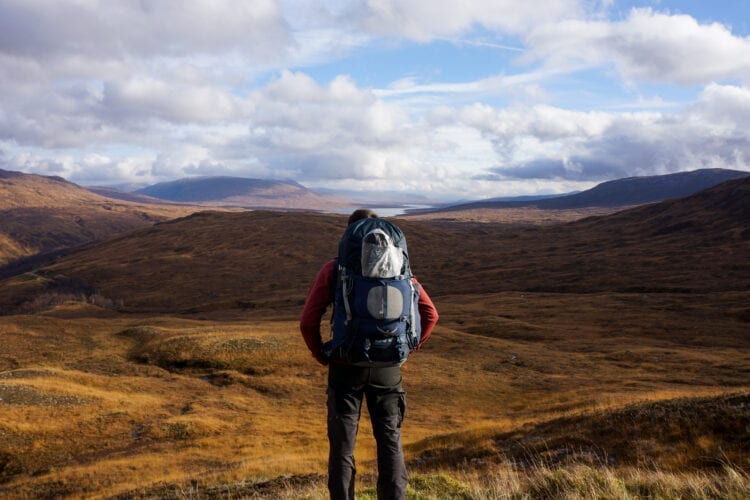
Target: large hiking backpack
x,y
375,318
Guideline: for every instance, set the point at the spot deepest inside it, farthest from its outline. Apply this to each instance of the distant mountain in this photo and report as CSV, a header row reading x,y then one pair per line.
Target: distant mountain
x,y
720,213
623,192
128,187
119,194
40,214
243,192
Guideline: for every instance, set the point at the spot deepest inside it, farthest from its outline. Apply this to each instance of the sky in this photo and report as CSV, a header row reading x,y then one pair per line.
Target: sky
x,y
436,100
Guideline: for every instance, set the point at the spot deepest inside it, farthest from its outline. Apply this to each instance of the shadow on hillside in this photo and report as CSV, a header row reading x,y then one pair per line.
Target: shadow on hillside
x,y
675,435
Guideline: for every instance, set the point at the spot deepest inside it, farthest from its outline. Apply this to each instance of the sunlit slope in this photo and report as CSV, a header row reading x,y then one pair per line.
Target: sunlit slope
x,y
95,405
42,214
173,362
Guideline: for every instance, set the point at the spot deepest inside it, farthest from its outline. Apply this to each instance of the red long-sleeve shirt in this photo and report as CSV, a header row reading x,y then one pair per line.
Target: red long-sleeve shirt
x,y
320,297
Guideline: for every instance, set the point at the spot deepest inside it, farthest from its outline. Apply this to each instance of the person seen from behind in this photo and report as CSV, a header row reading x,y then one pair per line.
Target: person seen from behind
x,y
380,314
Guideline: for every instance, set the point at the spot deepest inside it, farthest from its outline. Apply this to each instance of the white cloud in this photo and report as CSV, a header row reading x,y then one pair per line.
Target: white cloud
x,y
102,29
90,168
647,46
148,98
324,132
93,74
151,90
525,84
345,136
543,142
724,107
424,20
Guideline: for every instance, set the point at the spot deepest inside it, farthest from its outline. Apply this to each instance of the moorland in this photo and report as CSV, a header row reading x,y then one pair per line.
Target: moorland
x,y
601,355
42,216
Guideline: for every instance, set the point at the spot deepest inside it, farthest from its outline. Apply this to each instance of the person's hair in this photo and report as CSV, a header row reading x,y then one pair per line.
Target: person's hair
x,y
362,213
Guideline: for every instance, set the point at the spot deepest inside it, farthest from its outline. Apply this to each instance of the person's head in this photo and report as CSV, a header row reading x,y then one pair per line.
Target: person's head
x,y
362,213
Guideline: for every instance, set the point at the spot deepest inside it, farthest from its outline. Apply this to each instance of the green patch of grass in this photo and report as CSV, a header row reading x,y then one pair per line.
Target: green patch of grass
x,y
422,486
440,485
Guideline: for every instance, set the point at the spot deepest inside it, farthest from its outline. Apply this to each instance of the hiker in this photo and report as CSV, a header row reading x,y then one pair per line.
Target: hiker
x,y
361,363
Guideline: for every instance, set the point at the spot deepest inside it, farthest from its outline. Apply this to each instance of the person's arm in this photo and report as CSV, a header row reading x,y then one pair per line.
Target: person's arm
x,y
318,300
428,315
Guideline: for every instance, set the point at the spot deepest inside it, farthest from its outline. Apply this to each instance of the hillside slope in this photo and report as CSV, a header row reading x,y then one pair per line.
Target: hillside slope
x,y
680,434
209,260
266,260
693,244
630,381
41,214
623,192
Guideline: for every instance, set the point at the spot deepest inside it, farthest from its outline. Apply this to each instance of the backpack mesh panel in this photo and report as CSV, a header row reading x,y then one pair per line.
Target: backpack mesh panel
x,y
380,257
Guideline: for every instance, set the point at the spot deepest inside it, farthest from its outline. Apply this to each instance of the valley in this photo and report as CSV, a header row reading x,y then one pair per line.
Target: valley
x,y
609,351
571,184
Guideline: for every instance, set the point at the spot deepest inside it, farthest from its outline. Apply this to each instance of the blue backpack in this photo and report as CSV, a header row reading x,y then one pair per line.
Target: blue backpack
x,y
375,318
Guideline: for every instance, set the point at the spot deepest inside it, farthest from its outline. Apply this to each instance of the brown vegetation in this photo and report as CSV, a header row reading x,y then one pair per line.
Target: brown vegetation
x,y
41,214
604,357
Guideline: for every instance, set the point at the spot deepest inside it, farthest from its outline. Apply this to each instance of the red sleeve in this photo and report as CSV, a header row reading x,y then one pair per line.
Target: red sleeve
x,y
318,299
427,313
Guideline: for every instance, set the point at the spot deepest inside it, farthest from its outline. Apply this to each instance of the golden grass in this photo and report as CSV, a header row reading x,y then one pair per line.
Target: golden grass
x,y
119,403
582,482
591,359
107,407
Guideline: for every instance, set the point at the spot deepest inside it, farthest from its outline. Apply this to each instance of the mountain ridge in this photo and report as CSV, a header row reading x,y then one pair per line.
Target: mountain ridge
x,y
628,191
242,192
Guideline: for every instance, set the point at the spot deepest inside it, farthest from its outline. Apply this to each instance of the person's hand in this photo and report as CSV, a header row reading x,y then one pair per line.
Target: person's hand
x,y
321,359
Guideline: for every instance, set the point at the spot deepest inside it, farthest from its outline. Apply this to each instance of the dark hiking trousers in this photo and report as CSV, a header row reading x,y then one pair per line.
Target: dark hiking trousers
x,y
386,405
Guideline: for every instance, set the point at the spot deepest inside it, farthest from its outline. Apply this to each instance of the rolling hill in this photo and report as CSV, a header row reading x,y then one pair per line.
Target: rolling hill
x,y
243,192
687,244
40,214
622,192
218,261
604,358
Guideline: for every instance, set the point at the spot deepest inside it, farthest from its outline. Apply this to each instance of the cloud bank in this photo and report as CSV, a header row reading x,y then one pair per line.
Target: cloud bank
x,y
152,90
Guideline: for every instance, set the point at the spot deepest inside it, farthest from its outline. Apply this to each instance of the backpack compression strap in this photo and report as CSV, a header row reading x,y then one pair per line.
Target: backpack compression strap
x,y
345,293
412,312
